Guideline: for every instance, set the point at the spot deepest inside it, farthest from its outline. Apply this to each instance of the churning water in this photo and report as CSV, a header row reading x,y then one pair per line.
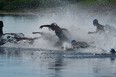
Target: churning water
x,y
78,22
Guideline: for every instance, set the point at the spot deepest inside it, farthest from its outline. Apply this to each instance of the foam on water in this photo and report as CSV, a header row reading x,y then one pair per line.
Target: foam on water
x,y
78,21
43,63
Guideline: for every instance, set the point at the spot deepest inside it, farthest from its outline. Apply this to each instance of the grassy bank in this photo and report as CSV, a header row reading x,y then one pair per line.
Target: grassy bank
x,y
20,5
30,4
98,2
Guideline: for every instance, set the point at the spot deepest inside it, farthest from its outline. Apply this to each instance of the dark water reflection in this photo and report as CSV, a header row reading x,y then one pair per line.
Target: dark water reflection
x,y
39,64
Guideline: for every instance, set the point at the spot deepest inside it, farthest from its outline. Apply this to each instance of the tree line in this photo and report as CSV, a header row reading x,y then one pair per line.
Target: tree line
x,y
23,4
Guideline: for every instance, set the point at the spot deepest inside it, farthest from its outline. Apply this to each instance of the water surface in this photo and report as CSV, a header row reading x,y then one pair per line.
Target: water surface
x,y
54,65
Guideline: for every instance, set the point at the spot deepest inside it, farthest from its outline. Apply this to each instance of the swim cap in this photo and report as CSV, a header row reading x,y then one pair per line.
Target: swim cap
x,y
53,24
95,21
112,51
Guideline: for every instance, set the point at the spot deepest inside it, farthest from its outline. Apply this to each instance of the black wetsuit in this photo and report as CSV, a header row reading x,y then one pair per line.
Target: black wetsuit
x,y
100,27
61,36
1,33
1,28
59,33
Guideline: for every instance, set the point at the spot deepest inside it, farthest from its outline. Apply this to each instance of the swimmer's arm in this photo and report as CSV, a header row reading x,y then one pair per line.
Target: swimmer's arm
x,y
45,26
41,33
92,32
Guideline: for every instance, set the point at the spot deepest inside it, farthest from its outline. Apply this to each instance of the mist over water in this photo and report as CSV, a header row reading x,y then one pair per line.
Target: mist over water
x,y
73,17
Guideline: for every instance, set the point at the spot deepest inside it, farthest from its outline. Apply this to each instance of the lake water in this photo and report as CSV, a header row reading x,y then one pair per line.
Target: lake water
x,y
54,65
46,65
20,24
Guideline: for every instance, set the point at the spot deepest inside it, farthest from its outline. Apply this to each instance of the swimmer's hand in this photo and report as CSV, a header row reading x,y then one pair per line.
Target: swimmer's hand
x,y
89,32
92,32
41,27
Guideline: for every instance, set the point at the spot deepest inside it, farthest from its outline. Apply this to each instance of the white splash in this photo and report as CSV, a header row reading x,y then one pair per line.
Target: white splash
x,y
74,18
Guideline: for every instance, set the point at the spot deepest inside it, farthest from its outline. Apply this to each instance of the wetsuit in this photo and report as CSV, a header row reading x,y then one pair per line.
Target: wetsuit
x,y
100,28
58,32
1,33
1,28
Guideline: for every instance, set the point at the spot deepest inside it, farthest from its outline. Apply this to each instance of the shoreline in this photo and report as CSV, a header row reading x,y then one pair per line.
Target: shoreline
x,y
36,12
17,14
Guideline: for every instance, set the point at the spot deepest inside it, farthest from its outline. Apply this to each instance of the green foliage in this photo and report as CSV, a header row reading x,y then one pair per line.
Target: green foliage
x,y
112,1
18,4
22,4
102,2
27,4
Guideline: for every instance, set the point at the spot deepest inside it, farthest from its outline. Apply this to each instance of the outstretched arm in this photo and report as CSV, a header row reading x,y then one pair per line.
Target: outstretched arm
x,y
41,33
92,32
27,38
45,26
